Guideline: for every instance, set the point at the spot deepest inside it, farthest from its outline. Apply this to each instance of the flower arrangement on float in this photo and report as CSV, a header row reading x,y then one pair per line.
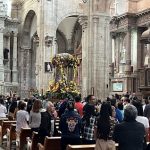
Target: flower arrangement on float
x,y
61,84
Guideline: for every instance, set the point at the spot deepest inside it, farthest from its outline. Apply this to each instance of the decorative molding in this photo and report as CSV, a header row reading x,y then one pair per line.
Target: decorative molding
x,y
48,41
128,20
83,21
36,39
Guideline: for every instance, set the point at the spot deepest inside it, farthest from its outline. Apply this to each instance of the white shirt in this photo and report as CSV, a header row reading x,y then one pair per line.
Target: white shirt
x,y
22,118
143,120
3,111
34,119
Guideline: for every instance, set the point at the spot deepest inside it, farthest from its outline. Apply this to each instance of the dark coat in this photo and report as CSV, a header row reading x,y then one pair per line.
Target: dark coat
x,y
129,135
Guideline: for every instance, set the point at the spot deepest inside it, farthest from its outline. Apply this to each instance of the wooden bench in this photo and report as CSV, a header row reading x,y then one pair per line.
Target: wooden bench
x,y
22,141
81,147
32,143
51,143
2,119
3,128
84,147
11,135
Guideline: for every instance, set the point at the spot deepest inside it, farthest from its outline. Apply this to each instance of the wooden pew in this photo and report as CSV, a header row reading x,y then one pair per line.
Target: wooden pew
x,y
32,143
51,143
81,147
84,147
11,135
22,140
2,119
3,128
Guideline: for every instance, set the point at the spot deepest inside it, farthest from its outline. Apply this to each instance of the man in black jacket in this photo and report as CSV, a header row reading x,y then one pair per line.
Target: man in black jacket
x,y
45,126
70,126
129,134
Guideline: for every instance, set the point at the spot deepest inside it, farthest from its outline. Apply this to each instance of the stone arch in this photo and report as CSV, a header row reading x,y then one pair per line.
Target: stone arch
x,y
28,53
61,41
26,40
61,18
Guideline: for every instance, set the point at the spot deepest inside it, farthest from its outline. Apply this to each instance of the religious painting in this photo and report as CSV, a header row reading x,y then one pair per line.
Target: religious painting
x,y
48,67
117,86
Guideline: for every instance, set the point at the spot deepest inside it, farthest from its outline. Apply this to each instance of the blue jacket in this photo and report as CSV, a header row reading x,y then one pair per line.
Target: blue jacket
x,y
70,124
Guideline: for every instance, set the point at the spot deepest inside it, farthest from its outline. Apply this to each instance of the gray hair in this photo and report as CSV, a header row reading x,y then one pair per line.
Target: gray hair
x,y
130,113
48,104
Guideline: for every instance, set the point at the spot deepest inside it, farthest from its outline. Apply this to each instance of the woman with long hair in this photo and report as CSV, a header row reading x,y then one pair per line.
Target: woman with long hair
x,y
103,129
35,116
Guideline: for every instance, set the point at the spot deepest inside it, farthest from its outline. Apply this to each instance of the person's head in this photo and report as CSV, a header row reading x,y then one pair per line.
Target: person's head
x,y
130,113
91,99
22,106
50,107
1,101
103,123
77,99
37,105
139,107
145,99
19,104
70,105
126,101
120,105
106,109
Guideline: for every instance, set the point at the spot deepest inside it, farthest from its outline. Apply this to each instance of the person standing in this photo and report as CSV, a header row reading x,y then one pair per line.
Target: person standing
x,y
103,129
3,110
70,126
79,105
45,125
129,134
22,119
35,116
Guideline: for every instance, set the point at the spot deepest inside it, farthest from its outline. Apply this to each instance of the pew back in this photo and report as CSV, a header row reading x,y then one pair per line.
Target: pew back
x,y
35,140
81,147
51,143
11,135
25,132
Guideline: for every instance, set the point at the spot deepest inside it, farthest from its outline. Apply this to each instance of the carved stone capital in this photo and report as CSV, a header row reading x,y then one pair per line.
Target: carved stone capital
x,y
36,39
83,20
95,19
48,41
2,29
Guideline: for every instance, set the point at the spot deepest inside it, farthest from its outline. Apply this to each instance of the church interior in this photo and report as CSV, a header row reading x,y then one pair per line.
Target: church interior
x,y
110,39
54,49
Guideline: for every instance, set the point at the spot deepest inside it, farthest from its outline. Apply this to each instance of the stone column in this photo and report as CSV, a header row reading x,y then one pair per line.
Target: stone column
x,y
7,71
83,22
148,47
128,53
14,68
117,53
48,56
94,55
25,71
1,60
37,65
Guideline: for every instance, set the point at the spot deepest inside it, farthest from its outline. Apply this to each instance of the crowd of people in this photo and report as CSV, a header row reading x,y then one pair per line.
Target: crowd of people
x,y
119,119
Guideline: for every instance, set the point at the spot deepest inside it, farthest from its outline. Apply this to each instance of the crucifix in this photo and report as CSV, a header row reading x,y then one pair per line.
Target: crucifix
x,y
116,7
